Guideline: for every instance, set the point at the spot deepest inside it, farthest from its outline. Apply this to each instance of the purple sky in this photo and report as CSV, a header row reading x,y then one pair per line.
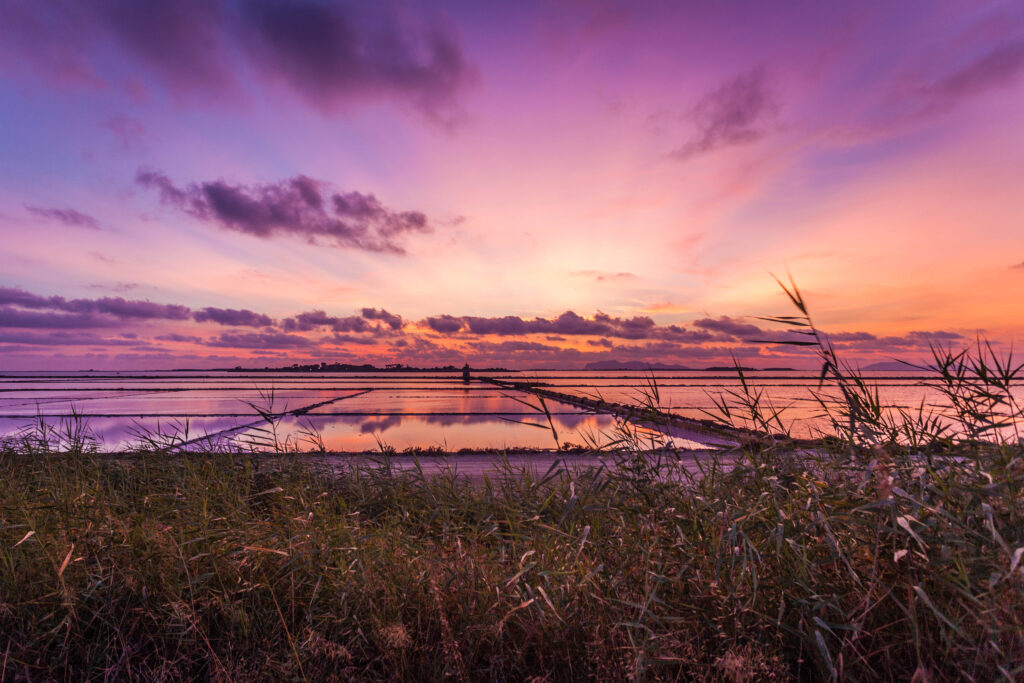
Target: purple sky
x,y
206,183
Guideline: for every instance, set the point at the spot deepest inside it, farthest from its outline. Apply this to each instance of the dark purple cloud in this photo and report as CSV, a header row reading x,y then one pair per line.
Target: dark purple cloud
x,y
445,324
567,324
851,336
509,325
231,316
374,321
390,319
330,52
124,308
299,207
734,113
116,307
71,217
58,321
730,327
311,320
14,317
19,297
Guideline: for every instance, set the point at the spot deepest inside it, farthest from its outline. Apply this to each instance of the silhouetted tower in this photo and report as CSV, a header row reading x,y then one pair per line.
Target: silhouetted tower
x,y
465,372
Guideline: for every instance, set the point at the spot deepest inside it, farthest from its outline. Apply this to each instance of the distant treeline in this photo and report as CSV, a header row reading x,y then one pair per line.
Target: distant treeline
x,y
366,367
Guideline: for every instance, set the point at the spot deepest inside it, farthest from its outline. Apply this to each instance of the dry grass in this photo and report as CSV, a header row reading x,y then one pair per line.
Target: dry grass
x,y
238,567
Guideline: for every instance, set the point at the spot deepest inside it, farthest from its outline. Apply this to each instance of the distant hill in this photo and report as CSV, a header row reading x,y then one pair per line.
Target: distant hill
x,y
889,366
631,365
744,368
640,365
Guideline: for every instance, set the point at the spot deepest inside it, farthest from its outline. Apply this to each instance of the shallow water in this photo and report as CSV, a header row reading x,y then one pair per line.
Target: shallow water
x,y
360,412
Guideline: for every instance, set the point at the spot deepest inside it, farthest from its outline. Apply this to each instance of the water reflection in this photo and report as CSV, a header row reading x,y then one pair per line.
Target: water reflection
x,y
400,410
449,432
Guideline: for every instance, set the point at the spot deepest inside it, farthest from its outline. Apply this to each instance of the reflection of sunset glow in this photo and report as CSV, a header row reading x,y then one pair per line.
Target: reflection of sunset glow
x,y
367,412
452,432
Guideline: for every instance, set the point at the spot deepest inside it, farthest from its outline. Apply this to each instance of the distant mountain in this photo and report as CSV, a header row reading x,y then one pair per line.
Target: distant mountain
x,y
889,366
631,365
744,368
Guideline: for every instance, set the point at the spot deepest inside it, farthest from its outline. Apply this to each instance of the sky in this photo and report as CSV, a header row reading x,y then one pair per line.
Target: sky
x,y
211,183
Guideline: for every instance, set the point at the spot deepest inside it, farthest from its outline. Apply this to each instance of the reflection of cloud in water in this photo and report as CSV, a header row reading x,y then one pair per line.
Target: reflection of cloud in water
x,y
446,420
381,424
385,422
574,421
452,432
115,433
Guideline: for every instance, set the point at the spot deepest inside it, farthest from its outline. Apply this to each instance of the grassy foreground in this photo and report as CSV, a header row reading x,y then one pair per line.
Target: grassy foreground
x,y
231,567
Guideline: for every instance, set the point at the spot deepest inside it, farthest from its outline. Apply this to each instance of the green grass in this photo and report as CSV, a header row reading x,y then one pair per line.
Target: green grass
x,y
892,550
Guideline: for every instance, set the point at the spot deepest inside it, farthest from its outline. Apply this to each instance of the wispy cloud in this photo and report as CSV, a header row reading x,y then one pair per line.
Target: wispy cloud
x,y
126,130
71,217
995,68
261,340
735,113
603,276
119,287
67,338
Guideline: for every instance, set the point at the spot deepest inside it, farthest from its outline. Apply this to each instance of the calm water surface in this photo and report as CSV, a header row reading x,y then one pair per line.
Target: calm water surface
x,y
359,412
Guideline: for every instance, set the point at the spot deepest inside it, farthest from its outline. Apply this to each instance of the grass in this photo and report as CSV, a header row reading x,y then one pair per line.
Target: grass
x,y
893,548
